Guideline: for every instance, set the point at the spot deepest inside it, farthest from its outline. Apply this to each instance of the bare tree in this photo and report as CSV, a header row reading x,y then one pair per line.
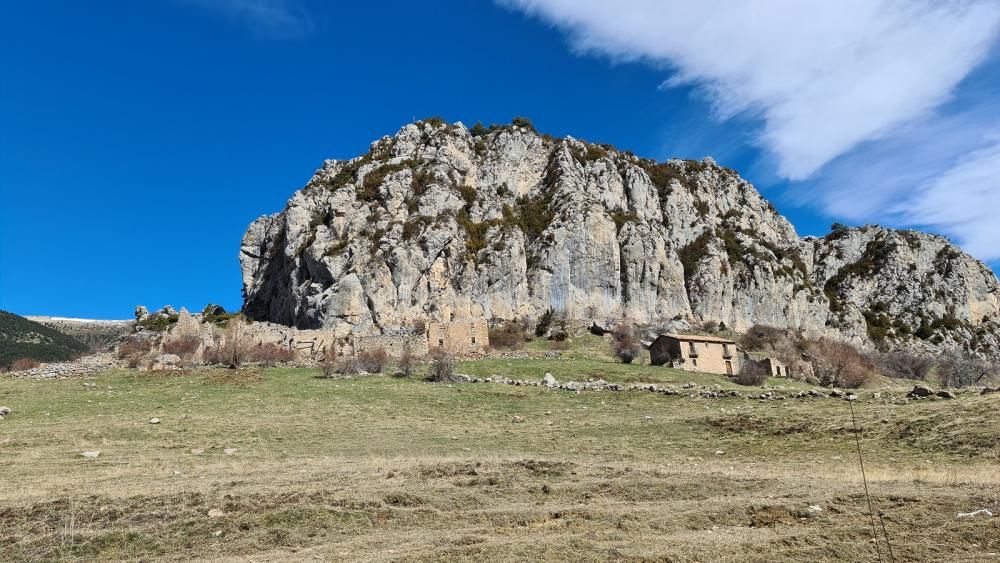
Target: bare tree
x,y
373,360
838,363
751,372
442,365
625,344
329,362
236,341
955,369
407,361
905,365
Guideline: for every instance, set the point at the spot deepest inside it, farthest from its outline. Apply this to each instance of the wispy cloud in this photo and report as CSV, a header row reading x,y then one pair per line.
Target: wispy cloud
x,y
274,19
964,202
823,76
857,101
941,173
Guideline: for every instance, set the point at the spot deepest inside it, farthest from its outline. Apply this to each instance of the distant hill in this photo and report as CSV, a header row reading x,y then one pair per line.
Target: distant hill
x,y
97,334
22,338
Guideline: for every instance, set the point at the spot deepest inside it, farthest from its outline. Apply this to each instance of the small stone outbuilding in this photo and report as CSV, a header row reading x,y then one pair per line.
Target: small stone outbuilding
x,y
709,354
458,336
775,368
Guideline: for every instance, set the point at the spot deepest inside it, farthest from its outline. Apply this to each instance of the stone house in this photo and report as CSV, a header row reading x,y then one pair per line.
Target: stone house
x,y
690,352
459,336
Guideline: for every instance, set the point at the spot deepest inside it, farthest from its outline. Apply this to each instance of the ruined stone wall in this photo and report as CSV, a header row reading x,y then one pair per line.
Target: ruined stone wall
x,y
87,365
309,344
774,367
313,343
394,343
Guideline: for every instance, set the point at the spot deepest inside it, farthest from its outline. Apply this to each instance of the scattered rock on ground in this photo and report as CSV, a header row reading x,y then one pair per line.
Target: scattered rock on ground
x,y
91,454
548,380
517,418
216,513
4,411
920,391
229,451
154,421
945,394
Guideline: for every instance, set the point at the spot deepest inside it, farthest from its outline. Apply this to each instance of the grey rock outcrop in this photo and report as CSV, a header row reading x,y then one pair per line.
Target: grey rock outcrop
x,y
436,221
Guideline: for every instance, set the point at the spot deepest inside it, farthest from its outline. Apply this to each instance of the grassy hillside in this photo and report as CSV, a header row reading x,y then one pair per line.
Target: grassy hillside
x,y
21,338
391,469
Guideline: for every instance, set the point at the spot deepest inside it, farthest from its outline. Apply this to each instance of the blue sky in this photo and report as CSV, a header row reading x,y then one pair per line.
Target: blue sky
x,y
139,139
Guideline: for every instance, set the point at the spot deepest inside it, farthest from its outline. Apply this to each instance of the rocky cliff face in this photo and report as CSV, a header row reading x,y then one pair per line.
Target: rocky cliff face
x,y
441,221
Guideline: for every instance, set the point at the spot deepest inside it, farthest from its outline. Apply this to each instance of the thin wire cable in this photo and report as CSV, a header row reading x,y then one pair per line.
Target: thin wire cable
x,y
864,479
881,520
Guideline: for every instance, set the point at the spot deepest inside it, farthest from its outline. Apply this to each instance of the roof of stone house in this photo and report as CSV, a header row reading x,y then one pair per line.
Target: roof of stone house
x,y
697,338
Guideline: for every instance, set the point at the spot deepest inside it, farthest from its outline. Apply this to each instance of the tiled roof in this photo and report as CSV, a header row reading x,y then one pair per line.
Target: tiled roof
x,y
698,338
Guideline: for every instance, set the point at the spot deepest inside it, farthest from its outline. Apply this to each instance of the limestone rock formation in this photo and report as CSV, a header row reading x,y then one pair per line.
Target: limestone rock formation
x,y
442,221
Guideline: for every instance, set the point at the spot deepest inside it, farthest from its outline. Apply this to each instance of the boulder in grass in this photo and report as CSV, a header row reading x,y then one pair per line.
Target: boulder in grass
x,y
920,391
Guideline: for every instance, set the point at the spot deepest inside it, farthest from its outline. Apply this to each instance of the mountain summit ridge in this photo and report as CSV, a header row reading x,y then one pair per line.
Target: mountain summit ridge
x,y
440,220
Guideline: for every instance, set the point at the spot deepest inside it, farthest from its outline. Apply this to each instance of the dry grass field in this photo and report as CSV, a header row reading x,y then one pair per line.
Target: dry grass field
x,y
385,469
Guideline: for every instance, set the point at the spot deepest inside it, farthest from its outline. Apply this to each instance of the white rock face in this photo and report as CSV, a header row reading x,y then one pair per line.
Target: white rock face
x,y
436,221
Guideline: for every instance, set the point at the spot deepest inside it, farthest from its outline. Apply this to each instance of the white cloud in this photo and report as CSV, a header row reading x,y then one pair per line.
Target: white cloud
x,y
964,201
940,173
279,19
873,181
822,76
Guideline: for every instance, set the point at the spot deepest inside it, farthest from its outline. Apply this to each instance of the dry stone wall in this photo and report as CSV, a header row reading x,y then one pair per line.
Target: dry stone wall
x,y
87,365
393,343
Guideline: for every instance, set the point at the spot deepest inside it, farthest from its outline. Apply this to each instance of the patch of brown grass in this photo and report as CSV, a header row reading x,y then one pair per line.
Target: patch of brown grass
x,y
24,364
385,469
